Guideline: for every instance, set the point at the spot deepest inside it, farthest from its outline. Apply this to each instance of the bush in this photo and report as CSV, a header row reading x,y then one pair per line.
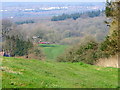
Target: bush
x,y
36,53
87,53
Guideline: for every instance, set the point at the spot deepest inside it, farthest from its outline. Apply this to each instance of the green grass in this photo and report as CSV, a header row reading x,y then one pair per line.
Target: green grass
x,y
22,73
52,50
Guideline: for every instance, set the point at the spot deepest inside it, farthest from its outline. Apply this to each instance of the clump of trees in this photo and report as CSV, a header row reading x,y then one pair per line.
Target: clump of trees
x,y
88,52
15,44
81,53
25,22
75,16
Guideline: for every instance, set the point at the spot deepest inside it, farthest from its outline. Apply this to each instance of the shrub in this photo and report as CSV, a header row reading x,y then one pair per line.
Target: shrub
x,y
36,53
87,53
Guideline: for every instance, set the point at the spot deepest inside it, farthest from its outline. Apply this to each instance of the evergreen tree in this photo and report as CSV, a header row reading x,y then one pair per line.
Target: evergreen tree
x,y
16,46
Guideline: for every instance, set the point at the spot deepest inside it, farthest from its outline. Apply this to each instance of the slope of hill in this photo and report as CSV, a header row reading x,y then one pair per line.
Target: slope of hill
x,y
22,73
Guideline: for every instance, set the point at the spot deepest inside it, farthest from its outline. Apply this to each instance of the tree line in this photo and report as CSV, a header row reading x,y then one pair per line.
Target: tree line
x,y
25,22
75,16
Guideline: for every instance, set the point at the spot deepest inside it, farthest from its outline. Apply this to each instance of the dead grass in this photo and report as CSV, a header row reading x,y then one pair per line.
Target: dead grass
x,y
108,62
6,69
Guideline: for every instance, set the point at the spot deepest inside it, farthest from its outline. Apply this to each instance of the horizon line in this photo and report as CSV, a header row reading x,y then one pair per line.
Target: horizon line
x,y
60,2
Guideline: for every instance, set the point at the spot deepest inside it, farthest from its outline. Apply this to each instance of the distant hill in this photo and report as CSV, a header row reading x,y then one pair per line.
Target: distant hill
x,y
44,9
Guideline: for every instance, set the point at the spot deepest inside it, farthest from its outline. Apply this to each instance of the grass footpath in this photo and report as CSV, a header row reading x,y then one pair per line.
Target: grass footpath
x,y
52,50
22,73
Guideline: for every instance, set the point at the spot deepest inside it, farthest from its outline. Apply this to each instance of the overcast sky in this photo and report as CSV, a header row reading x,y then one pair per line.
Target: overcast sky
x,y
53,0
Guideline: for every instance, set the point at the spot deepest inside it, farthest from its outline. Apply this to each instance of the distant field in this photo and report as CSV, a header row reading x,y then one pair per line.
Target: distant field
x,y
52,50
22,73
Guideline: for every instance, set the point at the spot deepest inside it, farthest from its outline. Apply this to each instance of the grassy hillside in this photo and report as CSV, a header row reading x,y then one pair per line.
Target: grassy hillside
x,y
22,73
52,50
